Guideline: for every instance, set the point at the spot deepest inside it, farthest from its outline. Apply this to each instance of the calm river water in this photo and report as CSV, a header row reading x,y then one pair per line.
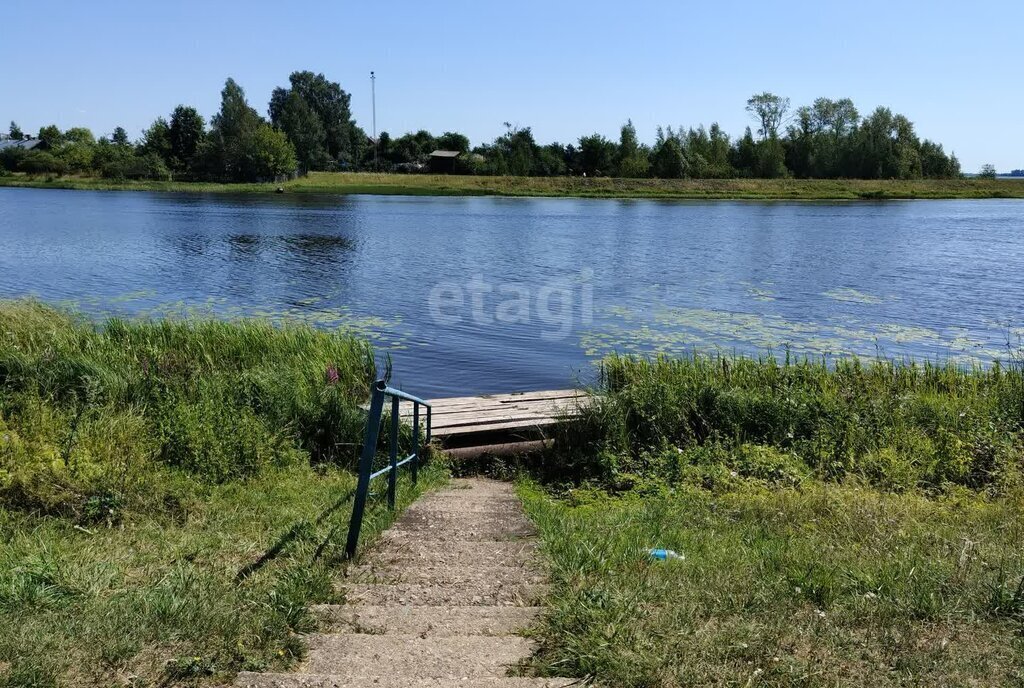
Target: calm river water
x,y
472,295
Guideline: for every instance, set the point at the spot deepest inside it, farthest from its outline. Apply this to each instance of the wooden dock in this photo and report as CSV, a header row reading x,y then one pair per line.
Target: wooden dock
x,y
493,418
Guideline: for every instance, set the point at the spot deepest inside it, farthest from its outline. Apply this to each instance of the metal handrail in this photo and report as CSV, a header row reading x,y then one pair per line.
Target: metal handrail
x,y
366,473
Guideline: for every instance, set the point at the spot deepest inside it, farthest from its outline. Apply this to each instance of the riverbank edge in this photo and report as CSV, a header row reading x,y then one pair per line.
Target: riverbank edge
x,y
361,183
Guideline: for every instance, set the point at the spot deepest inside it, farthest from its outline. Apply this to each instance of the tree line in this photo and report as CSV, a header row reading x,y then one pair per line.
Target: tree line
x,y
309,127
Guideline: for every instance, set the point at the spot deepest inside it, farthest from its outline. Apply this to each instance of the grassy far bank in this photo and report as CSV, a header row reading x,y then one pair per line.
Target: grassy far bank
x,y
596,187
142,467
860,525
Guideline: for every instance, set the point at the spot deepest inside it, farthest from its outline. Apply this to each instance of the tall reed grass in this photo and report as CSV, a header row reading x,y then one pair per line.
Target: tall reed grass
x,y
898,426
98,418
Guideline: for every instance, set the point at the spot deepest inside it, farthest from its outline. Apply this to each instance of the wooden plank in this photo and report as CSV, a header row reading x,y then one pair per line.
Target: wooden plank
x,y
452,402
524,418
491,413
544,403
482,404
542,394
515,425
467,406
502,413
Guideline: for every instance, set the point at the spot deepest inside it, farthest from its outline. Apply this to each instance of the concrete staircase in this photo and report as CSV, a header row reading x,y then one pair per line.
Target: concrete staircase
x,y
438,601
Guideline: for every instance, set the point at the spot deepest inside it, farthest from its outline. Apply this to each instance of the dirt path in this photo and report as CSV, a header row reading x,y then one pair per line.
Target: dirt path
x,y
438,601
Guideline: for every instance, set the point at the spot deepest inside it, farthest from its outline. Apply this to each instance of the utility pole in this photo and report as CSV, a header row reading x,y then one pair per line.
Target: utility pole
x,y
373,91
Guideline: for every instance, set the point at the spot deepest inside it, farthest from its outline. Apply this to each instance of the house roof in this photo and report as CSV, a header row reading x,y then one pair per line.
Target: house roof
x,y
445,154
27,144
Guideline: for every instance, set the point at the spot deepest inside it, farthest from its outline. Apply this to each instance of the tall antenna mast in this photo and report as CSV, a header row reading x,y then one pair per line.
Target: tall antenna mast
x,y
373,91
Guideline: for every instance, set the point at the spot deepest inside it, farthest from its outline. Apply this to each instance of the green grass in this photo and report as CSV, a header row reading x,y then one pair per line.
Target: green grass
x,y
821,585
859,524
156,600
455,185
144,466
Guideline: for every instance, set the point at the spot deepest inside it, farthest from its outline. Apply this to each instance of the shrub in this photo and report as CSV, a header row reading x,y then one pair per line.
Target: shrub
x,y
41,162
77,156
219,441
149,166
11,158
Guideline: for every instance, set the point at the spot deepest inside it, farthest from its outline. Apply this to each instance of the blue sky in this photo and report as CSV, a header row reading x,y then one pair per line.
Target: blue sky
x,y
563,68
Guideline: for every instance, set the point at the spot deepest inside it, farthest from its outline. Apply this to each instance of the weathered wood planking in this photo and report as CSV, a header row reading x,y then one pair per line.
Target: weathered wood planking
x,y
518,413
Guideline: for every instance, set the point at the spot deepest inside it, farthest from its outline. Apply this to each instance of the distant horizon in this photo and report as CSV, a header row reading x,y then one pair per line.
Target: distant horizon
x,y
565,71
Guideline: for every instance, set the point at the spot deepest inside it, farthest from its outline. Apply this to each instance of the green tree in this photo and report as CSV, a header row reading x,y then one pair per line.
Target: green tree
x,y
988,171
936,164
596,155
513,153
771,159
667,161
186,133
833,125
157,140
744,155
836,117
232,131
77,149
768,109
51,136
106,153
304,129
632,160
268,154
15,131
79,135
77,157
887,147
411,148
551,160
800,144
453,141
120,137
384,142
330,103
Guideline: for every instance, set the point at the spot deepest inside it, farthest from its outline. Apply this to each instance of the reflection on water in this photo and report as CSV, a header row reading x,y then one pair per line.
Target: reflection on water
x,y
487,294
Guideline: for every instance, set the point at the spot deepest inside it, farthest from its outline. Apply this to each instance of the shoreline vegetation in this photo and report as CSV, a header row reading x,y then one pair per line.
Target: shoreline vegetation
x,y
371,183
310,128
855,525
174,495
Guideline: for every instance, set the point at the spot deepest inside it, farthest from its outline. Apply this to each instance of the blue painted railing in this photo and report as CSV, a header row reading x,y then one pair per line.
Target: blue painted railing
x,y
366,473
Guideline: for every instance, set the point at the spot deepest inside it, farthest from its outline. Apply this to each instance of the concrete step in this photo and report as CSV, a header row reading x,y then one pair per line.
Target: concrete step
x,y
253,680
417,531
469,593
460,518
410,656
472,498
448,501
427,621
415,552
445,573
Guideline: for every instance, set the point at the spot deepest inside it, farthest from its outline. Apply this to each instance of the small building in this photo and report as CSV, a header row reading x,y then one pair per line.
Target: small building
x,y
443,161
24,144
